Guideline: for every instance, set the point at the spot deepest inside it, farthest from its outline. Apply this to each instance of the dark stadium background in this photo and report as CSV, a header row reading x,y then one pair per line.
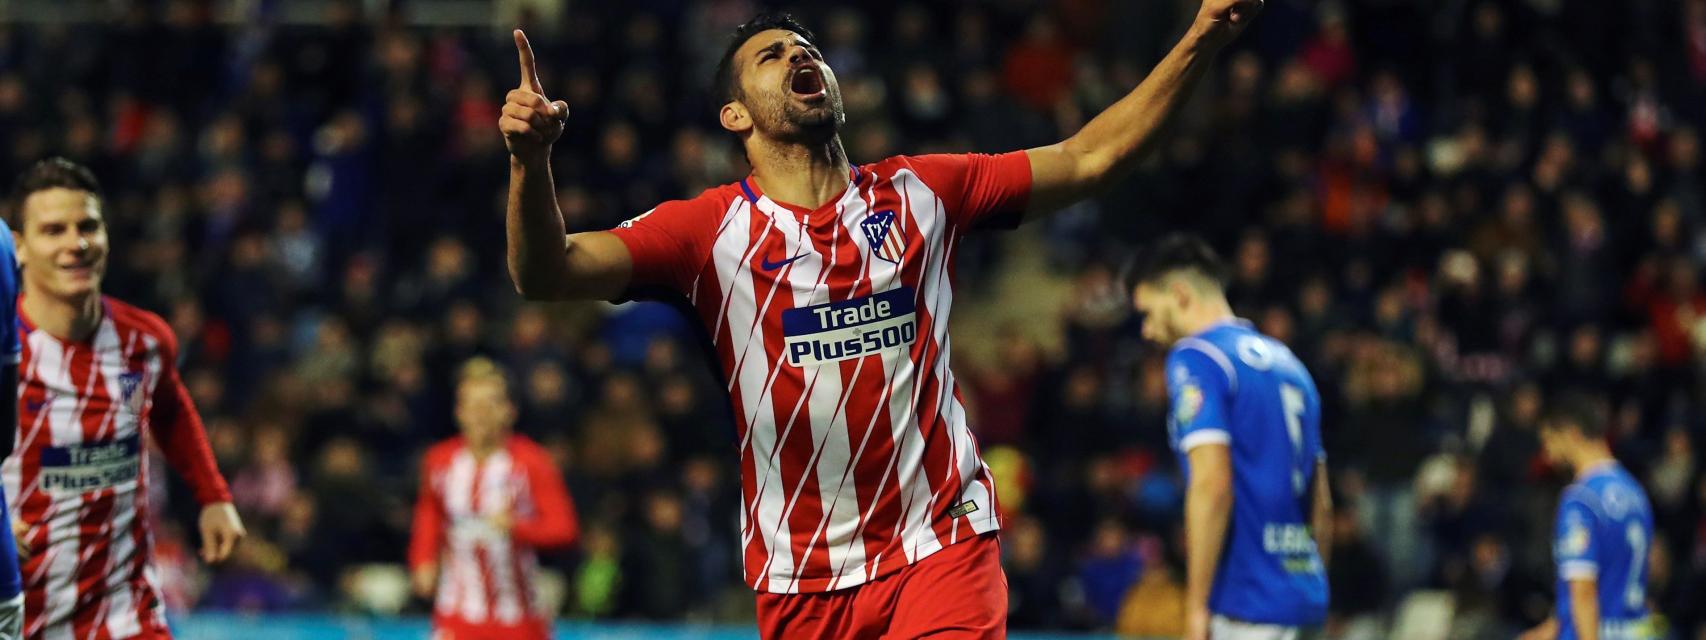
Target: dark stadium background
x,y
1449,208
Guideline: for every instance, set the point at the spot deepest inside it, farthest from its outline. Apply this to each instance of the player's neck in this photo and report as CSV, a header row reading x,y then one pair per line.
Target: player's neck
x,y
806,175
482,450
1210,316
69,319
1590,459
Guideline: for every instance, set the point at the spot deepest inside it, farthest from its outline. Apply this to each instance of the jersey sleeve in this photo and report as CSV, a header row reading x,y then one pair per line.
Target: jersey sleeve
x,y
426,537
177,427
1574,544
1200,392
551,523
670,243
979,190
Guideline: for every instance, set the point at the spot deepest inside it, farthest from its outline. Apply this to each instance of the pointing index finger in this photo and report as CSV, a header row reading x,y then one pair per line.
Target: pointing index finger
x,y
529,76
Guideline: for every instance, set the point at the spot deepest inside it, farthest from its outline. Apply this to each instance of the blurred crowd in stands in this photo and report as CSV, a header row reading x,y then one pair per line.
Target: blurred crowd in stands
x,y
1451,209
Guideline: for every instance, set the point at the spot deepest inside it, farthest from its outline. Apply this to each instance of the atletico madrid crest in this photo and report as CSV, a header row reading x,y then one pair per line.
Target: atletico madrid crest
x,y
128,383
887,239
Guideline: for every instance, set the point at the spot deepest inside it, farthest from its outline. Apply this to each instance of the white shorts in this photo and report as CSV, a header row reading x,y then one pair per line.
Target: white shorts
x,y
12,618
1224,628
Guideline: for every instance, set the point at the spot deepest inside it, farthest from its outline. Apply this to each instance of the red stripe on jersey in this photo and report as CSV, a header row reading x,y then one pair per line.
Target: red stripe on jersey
x,y
93,565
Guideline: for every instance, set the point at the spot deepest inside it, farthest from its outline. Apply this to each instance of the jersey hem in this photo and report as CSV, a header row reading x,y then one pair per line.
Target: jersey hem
x,y
778,584
1201,437
1578,570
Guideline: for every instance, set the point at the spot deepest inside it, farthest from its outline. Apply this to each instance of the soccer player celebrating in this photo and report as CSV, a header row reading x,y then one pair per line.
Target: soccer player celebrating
x,y
824,288
96,375
488,499
1246,423
1604,531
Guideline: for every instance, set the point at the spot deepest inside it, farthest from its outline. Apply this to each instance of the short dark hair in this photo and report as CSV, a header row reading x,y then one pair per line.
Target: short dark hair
x,y
725,87
52,173
1576,412
1174,253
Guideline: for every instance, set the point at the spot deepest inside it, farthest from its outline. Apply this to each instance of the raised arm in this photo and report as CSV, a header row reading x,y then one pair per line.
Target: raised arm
x,y
1112,143
544,262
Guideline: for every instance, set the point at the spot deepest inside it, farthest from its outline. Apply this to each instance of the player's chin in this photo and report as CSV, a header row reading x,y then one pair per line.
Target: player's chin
x,y
817,115
76,286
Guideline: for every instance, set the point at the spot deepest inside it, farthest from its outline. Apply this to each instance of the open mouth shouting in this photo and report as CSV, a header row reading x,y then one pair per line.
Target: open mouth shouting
x,y
806,83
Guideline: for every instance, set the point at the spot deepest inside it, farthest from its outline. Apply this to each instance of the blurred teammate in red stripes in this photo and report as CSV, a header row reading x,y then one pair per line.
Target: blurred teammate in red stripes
x,y
489,498
98,378
824,289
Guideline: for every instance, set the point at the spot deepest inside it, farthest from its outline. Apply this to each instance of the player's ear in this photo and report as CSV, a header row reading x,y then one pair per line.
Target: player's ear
x,y
1181,292
734,117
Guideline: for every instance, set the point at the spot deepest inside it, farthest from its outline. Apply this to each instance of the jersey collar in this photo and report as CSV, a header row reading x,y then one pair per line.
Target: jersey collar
x,y
1598,468
1229,322
754,193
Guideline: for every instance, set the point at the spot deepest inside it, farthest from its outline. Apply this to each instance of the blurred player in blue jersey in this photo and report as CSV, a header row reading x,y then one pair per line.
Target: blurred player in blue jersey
x,y
1245,423
1603,534
11,589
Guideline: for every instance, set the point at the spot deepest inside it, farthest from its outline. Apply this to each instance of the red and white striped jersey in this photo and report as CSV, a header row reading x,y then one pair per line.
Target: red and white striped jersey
x,y
830,327
79,473
486,575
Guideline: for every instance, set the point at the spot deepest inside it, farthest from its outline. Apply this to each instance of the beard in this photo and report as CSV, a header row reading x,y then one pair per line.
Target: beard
x,y
795,121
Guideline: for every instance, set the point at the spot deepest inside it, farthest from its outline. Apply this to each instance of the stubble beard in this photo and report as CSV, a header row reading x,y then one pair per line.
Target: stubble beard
x,y
809,124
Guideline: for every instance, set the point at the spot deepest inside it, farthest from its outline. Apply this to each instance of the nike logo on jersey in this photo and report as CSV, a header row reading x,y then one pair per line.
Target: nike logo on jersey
x,y
772,266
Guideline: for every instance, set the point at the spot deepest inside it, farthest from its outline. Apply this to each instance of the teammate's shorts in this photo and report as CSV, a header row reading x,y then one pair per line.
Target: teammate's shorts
x,y
957,593
12,618
1224,628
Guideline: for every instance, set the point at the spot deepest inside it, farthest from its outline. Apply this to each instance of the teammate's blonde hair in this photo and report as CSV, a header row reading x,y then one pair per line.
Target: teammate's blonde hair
x,y
480,369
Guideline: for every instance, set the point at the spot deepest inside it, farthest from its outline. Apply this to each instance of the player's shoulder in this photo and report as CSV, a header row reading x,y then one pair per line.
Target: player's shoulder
x,y
526,449
928,167
131,317
1205,351
710,202
1583,494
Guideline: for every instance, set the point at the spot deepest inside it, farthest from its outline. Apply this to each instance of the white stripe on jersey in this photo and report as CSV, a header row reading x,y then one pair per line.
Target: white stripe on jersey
x,y
121,600
470,586
59,566
731,253
822,393
495,500
802,284
914,531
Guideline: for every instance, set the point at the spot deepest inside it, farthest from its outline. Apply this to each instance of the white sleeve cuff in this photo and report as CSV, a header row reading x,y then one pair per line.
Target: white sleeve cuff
x,y
1201,437
1578,570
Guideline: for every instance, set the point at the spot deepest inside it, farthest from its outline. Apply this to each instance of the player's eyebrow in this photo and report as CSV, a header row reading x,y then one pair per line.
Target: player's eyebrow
x,y
779,45
775,47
